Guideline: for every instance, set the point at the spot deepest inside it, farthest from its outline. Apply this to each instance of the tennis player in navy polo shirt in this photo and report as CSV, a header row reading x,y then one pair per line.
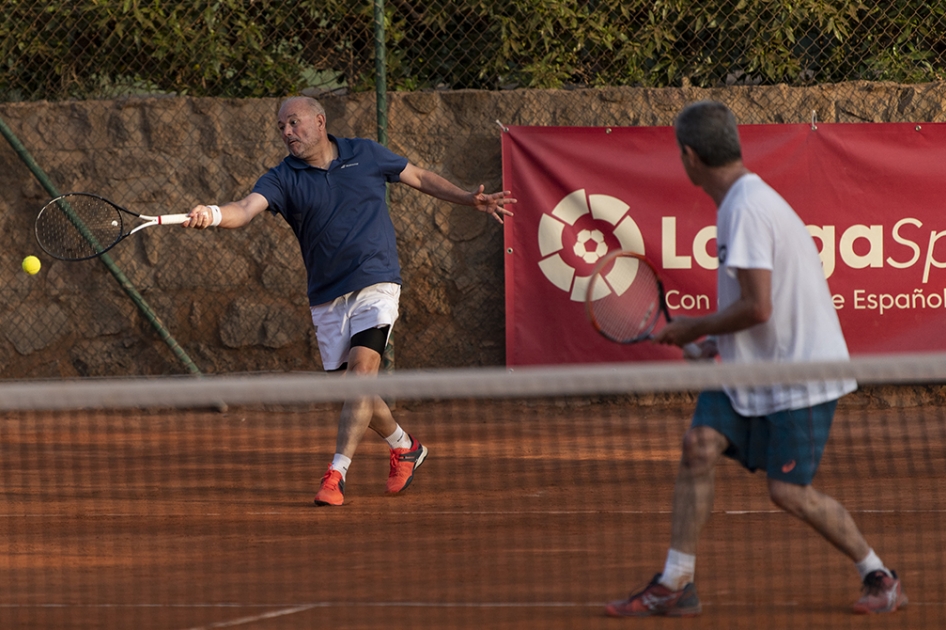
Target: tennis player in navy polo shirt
x,y
332,192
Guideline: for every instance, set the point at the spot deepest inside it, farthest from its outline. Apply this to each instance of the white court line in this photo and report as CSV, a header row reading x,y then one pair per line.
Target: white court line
x,y
633,512
269,615
473,605
293,608
299,608
459,513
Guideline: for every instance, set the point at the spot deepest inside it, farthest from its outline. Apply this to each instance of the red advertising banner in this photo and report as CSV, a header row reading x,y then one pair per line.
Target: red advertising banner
x,y
870,194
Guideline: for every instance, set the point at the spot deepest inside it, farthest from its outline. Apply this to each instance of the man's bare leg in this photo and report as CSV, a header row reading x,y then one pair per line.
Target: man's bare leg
x,y
356,416
694,489
362,413
828,517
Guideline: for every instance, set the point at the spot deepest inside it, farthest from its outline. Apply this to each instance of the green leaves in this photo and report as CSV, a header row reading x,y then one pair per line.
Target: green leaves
x,y
251,48
231,48
562,43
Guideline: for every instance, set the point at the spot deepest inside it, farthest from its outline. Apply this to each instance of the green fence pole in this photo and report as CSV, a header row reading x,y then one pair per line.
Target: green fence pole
x,y
381,100
381,73
123,281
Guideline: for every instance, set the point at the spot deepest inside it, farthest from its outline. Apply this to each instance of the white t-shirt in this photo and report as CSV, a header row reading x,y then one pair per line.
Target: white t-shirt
x,y
757,229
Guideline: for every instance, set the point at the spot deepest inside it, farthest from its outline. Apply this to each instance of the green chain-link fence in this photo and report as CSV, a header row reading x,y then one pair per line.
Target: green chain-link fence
x,y
159,105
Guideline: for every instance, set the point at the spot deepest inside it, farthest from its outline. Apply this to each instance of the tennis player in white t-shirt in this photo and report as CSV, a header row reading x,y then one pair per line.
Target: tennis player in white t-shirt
x,y
773,305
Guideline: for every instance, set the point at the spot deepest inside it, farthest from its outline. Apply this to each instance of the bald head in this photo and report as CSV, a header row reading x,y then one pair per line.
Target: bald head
x,y
302,125
313,106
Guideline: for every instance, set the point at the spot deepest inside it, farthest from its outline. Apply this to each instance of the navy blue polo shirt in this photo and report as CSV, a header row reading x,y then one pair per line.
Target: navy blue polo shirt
x,y
339,215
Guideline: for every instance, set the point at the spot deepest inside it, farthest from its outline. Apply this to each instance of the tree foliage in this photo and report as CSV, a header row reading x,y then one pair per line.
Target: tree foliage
x,y
243,48
87,48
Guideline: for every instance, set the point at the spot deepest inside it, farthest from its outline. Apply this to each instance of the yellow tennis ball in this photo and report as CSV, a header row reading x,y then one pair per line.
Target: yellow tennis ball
x,y
31,265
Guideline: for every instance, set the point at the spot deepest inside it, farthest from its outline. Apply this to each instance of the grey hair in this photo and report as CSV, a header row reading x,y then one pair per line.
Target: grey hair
x,y
313,105
709,128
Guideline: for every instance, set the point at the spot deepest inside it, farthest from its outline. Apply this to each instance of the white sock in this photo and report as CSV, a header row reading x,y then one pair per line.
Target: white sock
x,y
341,464
398,439
679,570
869,564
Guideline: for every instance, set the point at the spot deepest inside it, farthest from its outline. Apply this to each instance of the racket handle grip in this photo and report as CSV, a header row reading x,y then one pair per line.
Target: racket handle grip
x,y
172,219
692,352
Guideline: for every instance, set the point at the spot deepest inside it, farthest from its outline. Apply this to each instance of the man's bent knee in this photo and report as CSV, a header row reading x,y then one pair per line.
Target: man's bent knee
x,y
363,361
702,447
791,497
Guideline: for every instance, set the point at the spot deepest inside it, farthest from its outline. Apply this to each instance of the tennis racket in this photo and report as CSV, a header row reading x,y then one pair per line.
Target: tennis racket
x,y
625,300
79,226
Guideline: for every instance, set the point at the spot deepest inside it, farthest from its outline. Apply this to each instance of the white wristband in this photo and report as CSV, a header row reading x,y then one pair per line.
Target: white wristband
x,y
217,215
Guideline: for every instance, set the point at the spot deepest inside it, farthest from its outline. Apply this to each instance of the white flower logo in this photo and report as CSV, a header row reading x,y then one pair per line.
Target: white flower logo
x,y
587,223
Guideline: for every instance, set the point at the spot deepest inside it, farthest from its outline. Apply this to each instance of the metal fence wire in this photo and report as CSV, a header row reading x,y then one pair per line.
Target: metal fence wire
x,y
162,104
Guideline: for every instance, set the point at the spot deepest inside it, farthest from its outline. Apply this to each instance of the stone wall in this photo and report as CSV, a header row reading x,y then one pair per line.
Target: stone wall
x,y
235,299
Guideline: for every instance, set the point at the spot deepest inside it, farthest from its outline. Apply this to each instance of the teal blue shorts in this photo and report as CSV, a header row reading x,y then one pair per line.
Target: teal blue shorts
x,y
788,445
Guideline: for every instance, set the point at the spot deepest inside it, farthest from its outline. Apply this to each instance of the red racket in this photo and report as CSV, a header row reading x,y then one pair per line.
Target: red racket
x,y
625,300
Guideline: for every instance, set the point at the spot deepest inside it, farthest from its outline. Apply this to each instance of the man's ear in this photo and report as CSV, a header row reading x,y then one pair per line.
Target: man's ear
x,y
688,153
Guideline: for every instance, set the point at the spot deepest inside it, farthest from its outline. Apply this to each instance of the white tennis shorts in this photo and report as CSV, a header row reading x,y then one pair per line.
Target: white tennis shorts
x,y
336,321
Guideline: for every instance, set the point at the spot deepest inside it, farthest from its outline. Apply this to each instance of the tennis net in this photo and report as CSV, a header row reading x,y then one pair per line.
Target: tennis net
x,y
186,502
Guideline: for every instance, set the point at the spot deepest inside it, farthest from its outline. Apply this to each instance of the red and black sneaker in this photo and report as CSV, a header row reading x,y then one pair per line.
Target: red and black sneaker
x,y
882,593
657,599
404,461
332,489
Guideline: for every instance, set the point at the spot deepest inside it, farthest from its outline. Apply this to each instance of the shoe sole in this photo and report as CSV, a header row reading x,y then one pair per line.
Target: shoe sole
x,y
420,460
899,605
321,503
691,612
324,503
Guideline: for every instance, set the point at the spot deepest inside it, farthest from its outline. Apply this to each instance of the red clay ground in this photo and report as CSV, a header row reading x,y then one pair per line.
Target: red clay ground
x,y
528,516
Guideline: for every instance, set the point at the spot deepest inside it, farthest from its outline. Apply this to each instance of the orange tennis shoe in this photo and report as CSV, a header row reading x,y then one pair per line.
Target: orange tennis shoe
x,y
404,461
882,593
657,599
332,489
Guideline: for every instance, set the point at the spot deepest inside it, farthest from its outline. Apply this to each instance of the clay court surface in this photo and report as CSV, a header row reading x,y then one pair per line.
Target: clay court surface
x,y
526,515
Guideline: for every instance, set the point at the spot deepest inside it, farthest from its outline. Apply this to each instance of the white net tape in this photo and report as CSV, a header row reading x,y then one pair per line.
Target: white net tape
x,y
307,388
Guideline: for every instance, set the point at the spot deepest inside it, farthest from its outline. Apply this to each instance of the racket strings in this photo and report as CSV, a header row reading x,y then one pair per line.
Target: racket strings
x,y
78,226
630,309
